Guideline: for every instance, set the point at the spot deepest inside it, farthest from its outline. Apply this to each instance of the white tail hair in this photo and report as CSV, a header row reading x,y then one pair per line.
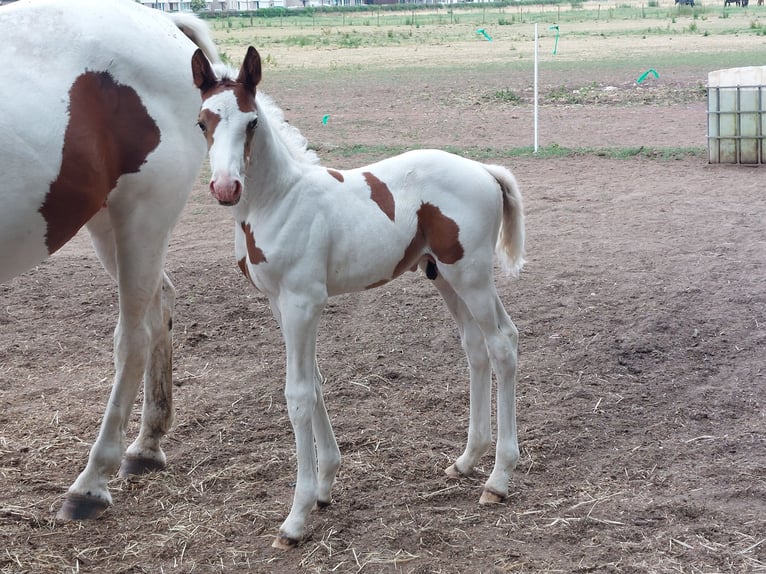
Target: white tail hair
x,y
197,31
510,241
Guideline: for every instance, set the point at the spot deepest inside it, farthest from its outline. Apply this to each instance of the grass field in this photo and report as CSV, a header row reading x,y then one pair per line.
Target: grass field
x,y
629,25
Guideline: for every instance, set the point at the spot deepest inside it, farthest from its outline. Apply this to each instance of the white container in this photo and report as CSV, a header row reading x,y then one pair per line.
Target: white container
x,y
736,100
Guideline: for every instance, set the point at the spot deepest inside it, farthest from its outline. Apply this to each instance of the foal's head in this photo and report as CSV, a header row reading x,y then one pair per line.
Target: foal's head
x,y
228,117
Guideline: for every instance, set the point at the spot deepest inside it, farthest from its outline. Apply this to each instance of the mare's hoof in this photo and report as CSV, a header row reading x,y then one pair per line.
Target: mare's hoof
x,y
283,542
81,507
321,504
491,497
135,465
455,473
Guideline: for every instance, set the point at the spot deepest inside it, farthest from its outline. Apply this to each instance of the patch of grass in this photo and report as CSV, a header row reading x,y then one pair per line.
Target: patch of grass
x,y
506,95
301,41
543,152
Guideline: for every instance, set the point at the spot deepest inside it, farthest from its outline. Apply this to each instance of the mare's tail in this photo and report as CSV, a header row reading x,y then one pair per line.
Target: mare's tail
x,y
197,31
510,241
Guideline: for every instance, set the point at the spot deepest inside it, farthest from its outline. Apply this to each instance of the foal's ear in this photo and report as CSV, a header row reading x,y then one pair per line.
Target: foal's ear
x,y
204,78
250,72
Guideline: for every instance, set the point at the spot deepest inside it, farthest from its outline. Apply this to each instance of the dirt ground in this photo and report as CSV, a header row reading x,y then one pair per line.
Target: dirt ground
x,y
642,313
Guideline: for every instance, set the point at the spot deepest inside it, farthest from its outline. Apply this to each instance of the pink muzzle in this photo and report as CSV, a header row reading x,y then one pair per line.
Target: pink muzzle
x,y
226,189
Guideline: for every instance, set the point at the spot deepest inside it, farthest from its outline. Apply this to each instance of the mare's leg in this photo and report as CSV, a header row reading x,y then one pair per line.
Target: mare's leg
x,y
328,453
299,319
479,423
145,454
138,266
477,291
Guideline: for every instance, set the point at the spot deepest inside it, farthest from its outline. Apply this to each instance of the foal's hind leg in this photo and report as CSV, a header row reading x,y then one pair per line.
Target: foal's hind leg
x,y
501,338
479,423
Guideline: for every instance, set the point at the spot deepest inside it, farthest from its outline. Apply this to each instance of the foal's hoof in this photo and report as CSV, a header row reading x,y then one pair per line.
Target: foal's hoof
x,y
135,465
283,542
321,504
491,497
81,507
455,473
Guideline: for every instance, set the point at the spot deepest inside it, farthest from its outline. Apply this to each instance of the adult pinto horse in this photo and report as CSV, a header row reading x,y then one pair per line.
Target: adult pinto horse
x,y
304,233
98,129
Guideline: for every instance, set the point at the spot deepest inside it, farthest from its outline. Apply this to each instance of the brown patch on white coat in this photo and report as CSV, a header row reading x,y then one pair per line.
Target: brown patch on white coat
x,y
109,134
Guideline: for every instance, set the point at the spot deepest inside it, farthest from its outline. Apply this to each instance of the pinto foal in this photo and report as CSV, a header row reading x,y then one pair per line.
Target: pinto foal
x,y
304,233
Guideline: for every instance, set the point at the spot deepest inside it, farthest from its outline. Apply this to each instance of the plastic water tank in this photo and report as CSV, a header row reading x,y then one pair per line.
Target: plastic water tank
x,y
737,116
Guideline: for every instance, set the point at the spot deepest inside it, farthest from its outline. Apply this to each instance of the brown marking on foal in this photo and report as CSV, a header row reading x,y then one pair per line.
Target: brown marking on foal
x,y
242,264
209,121
109,134
380,194
336,174
441,233
254,253
438,233
245,98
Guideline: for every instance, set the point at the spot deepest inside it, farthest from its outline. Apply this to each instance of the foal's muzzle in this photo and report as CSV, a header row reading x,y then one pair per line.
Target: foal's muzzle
x,y
227,190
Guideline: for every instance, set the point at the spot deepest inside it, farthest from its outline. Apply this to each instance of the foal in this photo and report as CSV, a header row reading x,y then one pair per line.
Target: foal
x,y
304,233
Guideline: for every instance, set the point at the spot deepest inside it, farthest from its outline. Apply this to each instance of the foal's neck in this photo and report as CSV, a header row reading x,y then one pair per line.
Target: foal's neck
x,y
272,170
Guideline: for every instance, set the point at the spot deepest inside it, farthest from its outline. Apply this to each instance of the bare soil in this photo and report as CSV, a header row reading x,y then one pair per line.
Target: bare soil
x,y
641,402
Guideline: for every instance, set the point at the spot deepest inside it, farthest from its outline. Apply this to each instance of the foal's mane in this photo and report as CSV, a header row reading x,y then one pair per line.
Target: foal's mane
x,y
293,139
291,136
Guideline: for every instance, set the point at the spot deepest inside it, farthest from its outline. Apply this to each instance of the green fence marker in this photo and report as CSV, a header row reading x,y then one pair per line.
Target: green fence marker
x,y
325,119
483,32
645,75
556,43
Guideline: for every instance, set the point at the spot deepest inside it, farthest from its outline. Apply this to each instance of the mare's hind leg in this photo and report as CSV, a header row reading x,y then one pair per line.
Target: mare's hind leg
x,y
480,298
479,422
139,346
145,453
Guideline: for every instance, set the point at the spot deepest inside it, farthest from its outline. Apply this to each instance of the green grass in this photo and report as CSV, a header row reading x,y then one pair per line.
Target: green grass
x,y
543,152
506,15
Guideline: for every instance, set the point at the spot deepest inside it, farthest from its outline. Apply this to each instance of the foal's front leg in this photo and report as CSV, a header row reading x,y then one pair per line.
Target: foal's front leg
x,y
328,453
299,319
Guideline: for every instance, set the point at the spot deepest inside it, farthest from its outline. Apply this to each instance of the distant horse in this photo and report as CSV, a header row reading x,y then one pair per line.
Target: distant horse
x,y
304,233
98,129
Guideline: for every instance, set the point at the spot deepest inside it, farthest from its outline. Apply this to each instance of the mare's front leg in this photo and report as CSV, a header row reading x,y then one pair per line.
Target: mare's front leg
x,y
299,319
140,347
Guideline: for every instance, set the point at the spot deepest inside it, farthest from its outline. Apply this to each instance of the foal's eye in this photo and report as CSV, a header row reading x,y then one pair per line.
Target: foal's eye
x,y
202,126
251,124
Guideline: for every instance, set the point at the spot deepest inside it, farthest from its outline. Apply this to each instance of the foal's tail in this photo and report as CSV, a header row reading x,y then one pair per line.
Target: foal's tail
x,y
510,242
197,31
